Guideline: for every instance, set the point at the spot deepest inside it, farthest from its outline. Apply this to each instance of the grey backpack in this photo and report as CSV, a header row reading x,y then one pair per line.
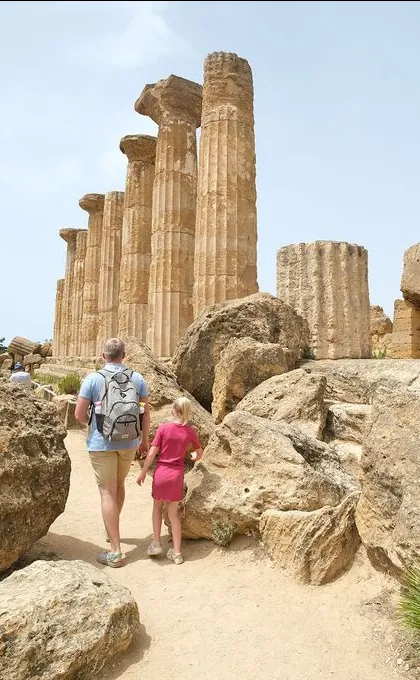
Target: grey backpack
x,y
118,415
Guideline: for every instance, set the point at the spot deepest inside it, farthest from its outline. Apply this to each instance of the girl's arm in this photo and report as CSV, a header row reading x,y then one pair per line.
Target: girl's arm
x,y
198,454
147,463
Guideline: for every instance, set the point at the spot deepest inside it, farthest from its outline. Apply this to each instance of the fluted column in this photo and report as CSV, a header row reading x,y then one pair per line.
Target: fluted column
x,y
94,206
136,235
225,264
77,301
68,235
57,338
109,274
175,105
326,282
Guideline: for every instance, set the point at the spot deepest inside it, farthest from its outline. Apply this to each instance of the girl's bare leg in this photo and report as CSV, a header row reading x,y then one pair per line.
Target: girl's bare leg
x,y
175,525
157,521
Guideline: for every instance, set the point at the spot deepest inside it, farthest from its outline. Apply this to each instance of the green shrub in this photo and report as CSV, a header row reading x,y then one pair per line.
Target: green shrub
x,y
222,532
379,353
409,606
69,384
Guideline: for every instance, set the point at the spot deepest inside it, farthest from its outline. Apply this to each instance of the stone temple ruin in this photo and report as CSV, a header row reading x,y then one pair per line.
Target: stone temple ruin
x,y
183,237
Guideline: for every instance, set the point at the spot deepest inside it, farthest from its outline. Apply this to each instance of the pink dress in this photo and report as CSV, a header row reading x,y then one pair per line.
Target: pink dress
x,y
174,441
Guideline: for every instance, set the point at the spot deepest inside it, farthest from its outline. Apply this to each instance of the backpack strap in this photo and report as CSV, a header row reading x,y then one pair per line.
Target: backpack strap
x,y
103,372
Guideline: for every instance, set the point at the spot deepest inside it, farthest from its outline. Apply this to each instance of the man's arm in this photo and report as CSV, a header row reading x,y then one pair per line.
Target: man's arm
x,y
82,410
144,444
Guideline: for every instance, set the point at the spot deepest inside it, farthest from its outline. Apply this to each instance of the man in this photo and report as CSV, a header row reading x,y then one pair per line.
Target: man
x,y
111,460
19,375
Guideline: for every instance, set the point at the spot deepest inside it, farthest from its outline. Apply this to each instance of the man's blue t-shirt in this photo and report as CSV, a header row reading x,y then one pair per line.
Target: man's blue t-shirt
x,y
92,389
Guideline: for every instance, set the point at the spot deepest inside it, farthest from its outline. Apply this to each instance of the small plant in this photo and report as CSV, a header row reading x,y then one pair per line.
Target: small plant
x,y
409,606
222,533
379,353
69,384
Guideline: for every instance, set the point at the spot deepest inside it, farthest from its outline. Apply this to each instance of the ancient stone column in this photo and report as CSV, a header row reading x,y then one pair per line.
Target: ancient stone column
x,y
94,205
136,235
69,235
109,274
175,105
405,342
74,349
326,282
56,349
225,264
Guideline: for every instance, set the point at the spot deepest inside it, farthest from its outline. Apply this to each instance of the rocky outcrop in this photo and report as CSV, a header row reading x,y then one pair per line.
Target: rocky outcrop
x,y
244,364
405,342
314,547
388,513
357,380
347,422
295,397
250,466
380,331
63,620
410,280
34,470
260,316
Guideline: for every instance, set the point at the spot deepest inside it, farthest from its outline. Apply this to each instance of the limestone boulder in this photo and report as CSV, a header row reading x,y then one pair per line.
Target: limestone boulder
x,y
63,620
261,316
357,380
380,330
34,470
32,360
244,364
296,397
66,407
4,356
347,422
388,513
314,547
21,346
163,389
250,466
410,281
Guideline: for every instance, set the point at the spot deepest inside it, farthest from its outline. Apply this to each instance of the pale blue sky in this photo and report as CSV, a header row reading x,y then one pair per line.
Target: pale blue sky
x,y
337,107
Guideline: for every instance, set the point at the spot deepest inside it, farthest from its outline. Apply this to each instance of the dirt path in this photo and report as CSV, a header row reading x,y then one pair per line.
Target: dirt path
x,y
227,614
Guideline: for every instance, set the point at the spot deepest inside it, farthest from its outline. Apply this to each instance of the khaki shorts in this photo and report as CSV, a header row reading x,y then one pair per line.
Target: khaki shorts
x,y
111,466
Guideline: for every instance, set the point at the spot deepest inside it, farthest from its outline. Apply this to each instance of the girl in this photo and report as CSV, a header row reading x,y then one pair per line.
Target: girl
x,y
173,440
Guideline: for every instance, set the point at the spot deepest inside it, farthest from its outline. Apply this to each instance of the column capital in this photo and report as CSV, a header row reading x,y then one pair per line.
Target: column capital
x,y
228,78
139,147
172,98
69,234
92,203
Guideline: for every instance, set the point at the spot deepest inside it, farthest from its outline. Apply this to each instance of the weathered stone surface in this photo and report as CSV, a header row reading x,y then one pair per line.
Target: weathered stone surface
x,y
58,318
388,513
94,206
3,357
261,317
244,364
136,235
350,457
32,359
405,342
45,349
410,280
164,389
63,620
66,407
34,470
357,381
69,236
294,397
175,105
326,282
109,275
314,547
21,346
347,422
250,466
381,331
225,263
75,343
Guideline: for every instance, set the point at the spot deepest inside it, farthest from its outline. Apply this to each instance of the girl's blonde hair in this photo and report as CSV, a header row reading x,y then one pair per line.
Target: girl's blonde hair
x,y
182,408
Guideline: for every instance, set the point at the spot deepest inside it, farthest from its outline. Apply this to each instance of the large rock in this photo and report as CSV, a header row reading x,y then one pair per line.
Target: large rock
x,y
62,620
410,280
314,547
381,331
34,470
260,316
388,513
295,397
250,466
20,347
164,389
347,422
66,407
357,380
32,360
244,364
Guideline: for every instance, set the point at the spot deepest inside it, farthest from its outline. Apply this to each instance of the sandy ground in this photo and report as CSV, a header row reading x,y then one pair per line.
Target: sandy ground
x,y
227,614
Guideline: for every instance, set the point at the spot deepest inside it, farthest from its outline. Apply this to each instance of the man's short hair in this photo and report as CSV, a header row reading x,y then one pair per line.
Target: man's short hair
x,y
114,348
